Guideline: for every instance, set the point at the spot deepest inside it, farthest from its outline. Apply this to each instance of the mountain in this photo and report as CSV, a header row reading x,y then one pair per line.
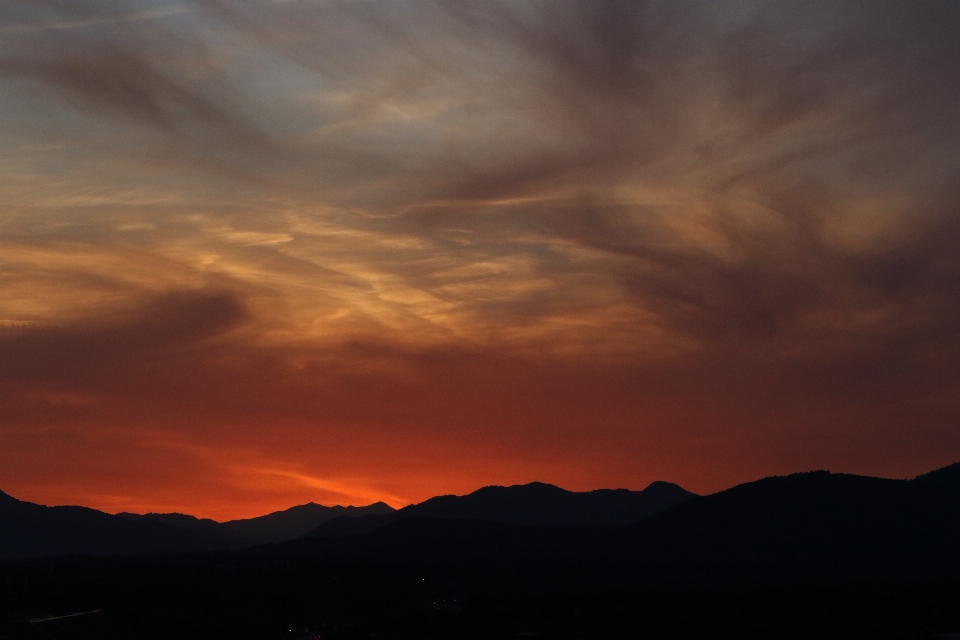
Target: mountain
x,y
296,521
539,503
31,530
530,504
810,524
192,523
816,525
807,555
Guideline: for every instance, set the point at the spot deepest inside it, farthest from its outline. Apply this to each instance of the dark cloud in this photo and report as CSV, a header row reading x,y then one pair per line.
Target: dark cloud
x,y
126,62
105,349
812,106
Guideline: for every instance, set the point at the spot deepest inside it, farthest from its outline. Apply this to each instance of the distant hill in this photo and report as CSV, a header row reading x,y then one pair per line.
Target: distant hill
x,y
530,504
810,524
31,530
296,521
192,523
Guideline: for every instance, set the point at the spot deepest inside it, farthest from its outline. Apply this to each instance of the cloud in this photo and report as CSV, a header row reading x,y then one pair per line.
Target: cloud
x,y
106,347
396,232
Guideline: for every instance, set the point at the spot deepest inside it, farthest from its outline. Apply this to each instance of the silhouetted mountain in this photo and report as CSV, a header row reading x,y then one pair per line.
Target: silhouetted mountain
x,y
811,524
539,503
296,521
192,523
817,525
530,504
808,555
31,530
943,482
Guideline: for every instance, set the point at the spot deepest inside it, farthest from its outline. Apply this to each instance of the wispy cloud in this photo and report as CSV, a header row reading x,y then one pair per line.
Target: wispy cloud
x,y
421,222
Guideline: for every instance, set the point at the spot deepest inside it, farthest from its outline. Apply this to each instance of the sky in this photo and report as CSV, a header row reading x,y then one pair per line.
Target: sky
x,y
255,253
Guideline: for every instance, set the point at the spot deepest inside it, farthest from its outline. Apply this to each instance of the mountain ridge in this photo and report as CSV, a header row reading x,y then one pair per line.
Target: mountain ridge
x,y
534,503
299,519
808,521
192,523
811,523
822,554
31,530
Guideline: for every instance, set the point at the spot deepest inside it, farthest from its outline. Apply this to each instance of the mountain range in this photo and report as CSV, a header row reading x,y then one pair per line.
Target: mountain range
x,y
535,503
813,523
813,554
31,530
296,521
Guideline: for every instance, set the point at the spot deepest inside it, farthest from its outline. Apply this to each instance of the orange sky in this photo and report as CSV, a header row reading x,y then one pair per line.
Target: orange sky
x,y
258,253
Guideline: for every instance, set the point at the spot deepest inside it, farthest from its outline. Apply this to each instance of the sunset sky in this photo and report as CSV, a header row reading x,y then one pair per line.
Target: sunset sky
x,y
259,252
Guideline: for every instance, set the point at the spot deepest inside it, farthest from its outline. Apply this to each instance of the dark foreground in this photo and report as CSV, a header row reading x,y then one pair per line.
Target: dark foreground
x,y
427,579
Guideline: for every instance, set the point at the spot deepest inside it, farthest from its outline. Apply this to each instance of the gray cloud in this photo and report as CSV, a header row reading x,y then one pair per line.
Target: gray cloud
x,y
126,63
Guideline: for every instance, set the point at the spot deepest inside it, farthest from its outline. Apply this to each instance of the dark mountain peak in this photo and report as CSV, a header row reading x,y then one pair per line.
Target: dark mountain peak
x,y
660,486
798,477
534,503
31,530
819,477
182,520
802,490
169,517
940,484
309,507
542,503
6,499
539,486
174,514
945,475
297,520
815,522
530,488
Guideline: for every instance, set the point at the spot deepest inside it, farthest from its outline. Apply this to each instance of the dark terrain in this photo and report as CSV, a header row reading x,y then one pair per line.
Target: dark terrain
x,y
32,530
529,504
813,555
296,521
